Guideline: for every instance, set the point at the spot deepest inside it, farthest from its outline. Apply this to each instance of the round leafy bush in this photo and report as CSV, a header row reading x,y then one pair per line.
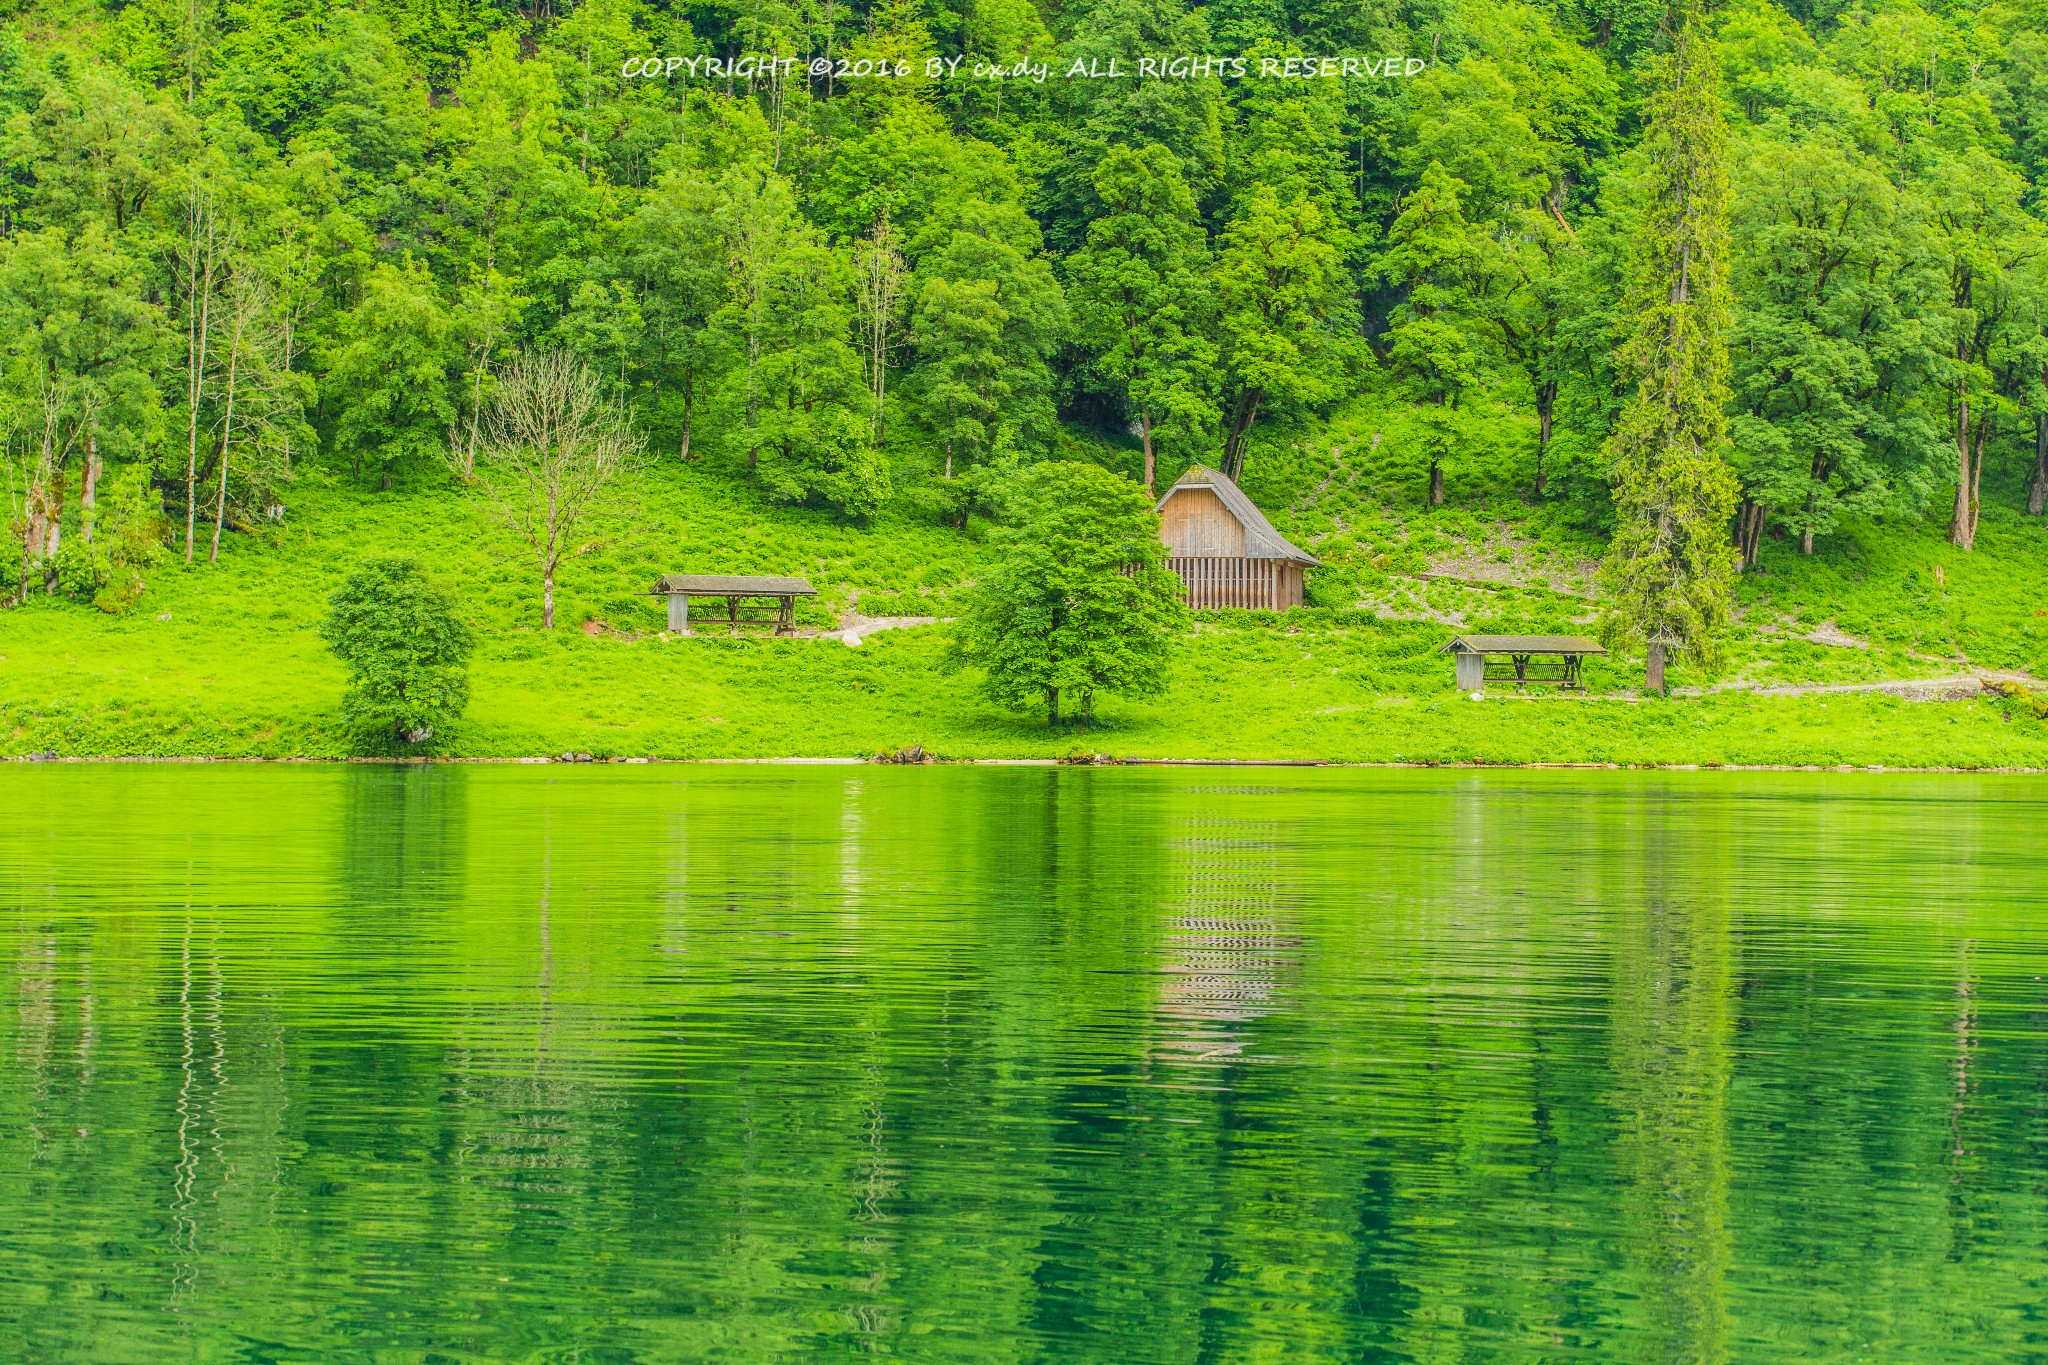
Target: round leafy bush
x,y
406,651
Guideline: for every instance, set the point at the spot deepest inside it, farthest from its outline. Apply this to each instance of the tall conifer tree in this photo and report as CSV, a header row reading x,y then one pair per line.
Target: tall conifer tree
x,y
1671,566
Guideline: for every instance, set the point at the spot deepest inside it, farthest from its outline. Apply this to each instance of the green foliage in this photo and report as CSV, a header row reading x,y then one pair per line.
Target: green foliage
x,y
406,651
1141,303
1839,344
1285,312
387,372
1081,602
987,319
130,532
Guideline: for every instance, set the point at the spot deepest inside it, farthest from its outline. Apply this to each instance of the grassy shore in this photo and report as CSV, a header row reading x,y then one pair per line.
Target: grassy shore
x,y
225,660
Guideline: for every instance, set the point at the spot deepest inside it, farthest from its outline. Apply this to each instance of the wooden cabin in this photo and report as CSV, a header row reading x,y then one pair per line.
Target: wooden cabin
x,y
1225,550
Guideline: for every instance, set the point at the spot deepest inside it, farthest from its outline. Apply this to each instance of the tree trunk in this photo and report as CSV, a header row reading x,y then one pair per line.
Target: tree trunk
x,y
88,492
1961,526
689,389
52,543
197,334
44,533
1817,472
1052,706
191,495
1546,399
1653,668
51,540
547,599
220,507
1151,464
2037,493
1436,484
227,431
1984,425
1241,418
1749,531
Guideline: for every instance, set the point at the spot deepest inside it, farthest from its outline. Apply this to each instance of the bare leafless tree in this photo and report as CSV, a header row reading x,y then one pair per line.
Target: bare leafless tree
x,y
200,269
878,289
252,342
551,446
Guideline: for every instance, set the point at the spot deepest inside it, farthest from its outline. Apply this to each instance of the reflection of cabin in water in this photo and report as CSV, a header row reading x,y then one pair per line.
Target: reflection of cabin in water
x,y
1225,550
1229,957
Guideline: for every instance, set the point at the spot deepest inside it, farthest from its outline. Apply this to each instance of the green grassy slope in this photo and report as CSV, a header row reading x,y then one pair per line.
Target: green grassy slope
x,y
1919,606
226,659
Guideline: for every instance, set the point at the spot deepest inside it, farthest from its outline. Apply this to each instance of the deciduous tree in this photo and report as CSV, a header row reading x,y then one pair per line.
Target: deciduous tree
x,y
387,371
1081,601
406,650
1285,303
551,447
1141,301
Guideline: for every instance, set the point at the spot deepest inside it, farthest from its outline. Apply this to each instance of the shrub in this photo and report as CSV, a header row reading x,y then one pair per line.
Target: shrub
x,y
129,536
406,651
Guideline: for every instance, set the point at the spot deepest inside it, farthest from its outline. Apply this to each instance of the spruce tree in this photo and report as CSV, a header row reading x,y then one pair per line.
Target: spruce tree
x,y
1671,566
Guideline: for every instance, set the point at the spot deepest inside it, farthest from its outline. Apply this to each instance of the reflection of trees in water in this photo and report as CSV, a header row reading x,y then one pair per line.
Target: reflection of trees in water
x,y
1227,953
37,1033
1675,988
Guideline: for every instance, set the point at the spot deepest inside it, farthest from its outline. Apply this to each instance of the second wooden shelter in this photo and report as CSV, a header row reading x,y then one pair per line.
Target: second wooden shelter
x,y
679,588
1523,660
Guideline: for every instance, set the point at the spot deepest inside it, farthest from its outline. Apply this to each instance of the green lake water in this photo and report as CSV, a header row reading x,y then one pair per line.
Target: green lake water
x,y
1020,1064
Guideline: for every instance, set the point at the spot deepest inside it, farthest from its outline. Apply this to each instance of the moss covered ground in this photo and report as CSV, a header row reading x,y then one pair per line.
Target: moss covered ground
x,y
226,660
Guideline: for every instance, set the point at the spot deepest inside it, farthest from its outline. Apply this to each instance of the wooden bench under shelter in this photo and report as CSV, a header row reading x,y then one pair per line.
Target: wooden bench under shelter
x,y
1542,660
679,588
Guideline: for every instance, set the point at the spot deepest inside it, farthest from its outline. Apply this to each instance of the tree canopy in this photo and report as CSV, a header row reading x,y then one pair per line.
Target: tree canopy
x,y
241,245
1082,601
406,651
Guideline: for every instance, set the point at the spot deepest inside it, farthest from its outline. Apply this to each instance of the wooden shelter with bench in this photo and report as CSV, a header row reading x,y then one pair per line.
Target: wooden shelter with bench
x,y
1225,550
1541,660
679,588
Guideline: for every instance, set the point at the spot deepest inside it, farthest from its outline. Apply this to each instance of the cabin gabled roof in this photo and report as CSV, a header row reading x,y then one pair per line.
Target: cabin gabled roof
x,y
1261,541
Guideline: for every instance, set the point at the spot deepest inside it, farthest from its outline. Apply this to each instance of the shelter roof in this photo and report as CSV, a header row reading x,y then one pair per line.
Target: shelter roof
x,y
1521,644
731,585
1261,541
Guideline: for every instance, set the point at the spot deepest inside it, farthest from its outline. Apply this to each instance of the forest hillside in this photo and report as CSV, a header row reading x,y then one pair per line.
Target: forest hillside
x,y
843,269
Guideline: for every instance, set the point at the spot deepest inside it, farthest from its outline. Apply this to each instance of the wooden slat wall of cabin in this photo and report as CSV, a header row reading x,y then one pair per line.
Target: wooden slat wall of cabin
x,y
1219,581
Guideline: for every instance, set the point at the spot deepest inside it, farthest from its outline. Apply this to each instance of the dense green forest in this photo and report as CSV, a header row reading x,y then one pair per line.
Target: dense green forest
x,y
253,254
